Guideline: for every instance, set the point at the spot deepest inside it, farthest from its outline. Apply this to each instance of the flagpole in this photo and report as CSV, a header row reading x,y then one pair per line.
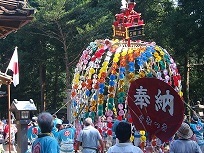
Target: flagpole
x,y
6,70
9,116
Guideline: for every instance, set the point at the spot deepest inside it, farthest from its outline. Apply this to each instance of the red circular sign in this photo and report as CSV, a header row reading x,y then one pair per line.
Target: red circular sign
x,y
155,107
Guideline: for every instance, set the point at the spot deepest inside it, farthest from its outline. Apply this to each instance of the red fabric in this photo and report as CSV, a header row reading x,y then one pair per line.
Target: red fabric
x,y
157,116
6,129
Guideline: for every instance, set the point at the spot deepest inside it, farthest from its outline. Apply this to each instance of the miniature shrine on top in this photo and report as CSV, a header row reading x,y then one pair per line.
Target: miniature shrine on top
x,y
128,24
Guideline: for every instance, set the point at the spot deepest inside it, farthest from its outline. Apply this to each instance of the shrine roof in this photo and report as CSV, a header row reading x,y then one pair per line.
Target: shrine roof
x,y
14,14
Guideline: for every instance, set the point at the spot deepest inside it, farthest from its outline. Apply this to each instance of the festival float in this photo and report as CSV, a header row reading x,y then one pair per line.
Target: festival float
x,y
128,79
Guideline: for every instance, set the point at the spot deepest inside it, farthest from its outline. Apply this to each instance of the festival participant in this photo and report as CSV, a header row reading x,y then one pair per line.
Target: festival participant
x,y
66,138
58,126
12,134
64,120
184,144
89,137
33,130
4,120
1,136
198,128
123,133
55,119
45,143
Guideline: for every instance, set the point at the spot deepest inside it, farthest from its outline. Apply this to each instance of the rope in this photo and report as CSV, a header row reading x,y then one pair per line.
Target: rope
x,y
61,107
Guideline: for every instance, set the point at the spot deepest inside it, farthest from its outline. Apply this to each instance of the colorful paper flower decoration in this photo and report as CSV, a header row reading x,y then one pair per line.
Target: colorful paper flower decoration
x,y
105,70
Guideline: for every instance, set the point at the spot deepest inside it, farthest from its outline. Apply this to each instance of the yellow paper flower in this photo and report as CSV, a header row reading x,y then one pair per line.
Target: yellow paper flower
x,y
120,89
157,59
92,109
143,138
91,70
131,138
142,132
100,96
142,74
121,83
105,63
100,102
161,53
156,54
124,52
130,50
103,69
180,93
115,59
117,55
93,103
114,109
131,75
157,48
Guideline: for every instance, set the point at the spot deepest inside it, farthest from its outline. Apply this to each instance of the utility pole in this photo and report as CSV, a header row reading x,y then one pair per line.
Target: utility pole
x,y
186,84
187,67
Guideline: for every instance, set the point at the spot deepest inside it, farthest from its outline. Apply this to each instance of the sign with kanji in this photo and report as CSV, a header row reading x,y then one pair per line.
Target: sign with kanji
x,y
134,32
155,107
120,32
128,32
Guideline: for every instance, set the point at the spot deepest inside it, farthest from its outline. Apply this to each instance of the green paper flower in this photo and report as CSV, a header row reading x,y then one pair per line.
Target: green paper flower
x,y
121,94
121,100
86,114
100,107
110,106
100,112
111,100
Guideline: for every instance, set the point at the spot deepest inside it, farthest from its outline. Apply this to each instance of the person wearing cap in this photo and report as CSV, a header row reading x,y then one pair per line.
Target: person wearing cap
x,y
45,143
123,133
184,144
89,137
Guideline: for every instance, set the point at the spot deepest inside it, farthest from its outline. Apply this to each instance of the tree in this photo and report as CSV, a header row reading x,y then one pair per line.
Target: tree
x,y
72,24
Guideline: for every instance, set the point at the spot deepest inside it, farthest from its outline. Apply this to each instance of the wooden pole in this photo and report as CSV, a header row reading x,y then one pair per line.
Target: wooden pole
x,y
9,116
6,79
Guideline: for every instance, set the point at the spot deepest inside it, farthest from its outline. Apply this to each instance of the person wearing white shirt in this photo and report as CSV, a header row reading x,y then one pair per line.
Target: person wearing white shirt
x,y
123,134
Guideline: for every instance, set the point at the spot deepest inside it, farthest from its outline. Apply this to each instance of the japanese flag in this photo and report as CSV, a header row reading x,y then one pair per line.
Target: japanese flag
x,y
13,65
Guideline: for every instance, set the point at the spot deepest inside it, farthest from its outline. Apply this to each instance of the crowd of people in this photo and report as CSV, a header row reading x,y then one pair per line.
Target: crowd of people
x,y
49,134
4,135
188,138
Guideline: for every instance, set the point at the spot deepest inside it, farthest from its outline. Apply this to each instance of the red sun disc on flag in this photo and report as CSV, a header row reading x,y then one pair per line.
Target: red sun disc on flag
x,y
15,68
155,107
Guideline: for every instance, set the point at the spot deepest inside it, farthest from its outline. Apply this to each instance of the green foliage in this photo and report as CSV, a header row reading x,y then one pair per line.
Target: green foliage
x,y
51,10
67,26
